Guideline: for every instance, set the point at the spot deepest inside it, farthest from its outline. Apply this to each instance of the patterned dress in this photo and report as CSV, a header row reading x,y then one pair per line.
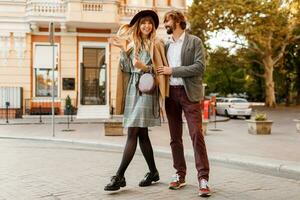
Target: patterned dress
x,y
141,110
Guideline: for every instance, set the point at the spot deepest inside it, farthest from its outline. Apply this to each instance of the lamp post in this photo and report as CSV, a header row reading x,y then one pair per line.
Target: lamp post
x,y
51,41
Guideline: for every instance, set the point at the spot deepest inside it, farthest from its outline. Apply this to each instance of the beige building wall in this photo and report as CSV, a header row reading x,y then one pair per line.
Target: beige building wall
x,y
68,64
178,3
97,12
114,56
14,71
98,20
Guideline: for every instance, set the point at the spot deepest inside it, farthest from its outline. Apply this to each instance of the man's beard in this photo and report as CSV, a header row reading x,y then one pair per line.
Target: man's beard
x,y
170,29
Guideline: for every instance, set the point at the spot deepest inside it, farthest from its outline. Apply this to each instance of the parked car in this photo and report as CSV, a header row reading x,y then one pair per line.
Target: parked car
x,y
220,99
234,107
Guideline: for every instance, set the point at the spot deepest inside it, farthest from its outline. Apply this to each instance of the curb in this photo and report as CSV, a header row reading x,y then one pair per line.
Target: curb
x,y
64,121
286,169
225,119
40,123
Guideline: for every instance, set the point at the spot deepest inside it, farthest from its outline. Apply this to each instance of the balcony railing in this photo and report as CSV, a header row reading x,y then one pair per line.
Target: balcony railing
x,y
92,6
125,11
46,8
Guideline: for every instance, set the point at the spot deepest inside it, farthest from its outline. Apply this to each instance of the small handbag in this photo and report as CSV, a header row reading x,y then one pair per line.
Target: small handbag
x,y
147,83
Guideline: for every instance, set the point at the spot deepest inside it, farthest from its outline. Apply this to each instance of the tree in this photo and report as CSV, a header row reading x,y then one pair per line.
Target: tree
x,y
224,73
267,25
291,71
234,73
297,79
255,86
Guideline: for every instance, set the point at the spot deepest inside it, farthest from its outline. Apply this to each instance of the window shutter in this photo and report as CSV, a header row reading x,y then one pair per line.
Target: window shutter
x,y
44,55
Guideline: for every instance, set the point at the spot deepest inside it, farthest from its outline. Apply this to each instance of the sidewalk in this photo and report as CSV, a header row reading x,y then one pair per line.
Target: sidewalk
x,y
35,170
276,154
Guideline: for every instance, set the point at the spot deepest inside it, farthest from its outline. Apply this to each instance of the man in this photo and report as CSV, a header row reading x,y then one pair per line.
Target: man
x,y
185,54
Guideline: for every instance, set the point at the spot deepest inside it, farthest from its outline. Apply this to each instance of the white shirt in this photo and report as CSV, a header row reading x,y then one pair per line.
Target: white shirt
x,y
174,57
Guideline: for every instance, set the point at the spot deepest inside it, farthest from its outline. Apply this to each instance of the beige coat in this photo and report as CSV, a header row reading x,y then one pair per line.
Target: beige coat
x,y
158,56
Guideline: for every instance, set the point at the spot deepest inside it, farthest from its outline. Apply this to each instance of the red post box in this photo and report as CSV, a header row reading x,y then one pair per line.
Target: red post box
x,y
213,101
206,109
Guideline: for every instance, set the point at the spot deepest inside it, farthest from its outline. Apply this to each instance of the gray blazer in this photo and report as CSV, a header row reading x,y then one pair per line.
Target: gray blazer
x,y
193,66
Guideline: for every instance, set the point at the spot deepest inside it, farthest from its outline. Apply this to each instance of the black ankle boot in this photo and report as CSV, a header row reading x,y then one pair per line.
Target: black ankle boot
x,y
149,178
115,183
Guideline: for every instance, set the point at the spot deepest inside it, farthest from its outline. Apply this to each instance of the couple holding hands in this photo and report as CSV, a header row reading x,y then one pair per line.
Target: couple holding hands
x,y
178,66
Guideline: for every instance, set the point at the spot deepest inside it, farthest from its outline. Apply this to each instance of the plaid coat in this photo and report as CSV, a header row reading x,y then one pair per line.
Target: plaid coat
x,y
158,57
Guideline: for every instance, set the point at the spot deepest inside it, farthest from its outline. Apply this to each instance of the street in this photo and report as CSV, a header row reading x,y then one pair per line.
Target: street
x,y
32,170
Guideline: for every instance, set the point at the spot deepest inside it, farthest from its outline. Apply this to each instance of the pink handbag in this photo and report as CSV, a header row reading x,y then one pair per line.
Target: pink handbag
x,y
147,83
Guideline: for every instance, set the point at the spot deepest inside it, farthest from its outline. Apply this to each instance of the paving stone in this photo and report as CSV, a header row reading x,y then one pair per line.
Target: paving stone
x,y
44,170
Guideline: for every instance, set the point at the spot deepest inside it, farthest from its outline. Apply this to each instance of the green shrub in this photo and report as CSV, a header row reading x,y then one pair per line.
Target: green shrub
x,y
260,117
68,104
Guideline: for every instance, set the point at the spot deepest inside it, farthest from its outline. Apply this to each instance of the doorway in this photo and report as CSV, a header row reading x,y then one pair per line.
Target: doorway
x,y
93,77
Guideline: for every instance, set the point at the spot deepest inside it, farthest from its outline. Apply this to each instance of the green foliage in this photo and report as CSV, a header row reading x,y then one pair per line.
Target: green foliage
x,y
268,27
68,103
260,116
288,74
227,74
255,84
224,73
254,19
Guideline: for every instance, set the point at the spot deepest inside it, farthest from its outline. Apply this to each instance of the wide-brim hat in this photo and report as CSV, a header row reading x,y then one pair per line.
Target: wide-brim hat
x,y
145,13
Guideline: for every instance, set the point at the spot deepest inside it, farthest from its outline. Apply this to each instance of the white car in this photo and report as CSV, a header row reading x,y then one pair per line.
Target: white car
x,y
234,107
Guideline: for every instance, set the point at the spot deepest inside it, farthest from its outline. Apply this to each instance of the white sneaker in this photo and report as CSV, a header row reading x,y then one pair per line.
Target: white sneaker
x,y
204,190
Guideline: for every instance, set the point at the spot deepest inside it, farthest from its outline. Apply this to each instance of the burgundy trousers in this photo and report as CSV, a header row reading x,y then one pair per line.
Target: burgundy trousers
x,y
175,104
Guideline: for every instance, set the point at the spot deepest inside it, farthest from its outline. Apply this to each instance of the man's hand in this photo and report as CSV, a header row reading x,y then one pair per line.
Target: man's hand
x,y
163,70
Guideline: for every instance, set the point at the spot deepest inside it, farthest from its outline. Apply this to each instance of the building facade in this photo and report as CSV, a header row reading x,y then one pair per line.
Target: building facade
x,y
85,65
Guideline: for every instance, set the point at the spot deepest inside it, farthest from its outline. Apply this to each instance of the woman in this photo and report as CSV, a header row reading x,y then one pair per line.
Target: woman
x,y
141,110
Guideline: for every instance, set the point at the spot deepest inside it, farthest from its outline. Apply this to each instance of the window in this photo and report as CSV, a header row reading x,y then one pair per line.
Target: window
x,y
239,101
43,83
43,62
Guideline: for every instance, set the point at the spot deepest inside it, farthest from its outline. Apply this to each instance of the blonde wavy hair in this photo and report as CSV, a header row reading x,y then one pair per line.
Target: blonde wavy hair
x,y
125,32
137,38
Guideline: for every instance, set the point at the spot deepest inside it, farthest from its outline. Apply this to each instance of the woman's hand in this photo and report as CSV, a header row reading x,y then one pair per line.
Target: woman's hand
x,y
139,64
117,42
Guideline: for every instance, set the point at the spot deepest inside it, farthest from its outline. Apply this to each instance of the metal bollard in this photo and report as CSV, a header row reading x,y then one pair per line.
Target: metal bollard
x,y
40,113
68,110
71,113
7,105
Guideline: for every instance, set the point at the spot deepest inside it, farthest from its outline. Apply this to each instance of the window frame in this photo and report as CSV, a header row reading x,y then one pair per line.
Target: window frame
x,y
34,83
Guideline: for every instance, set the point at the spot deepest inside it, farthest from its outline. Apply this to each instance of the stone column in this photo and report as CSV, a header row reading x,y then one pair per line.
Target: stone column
x,y
6,46
162,3
63,27
136,3
20,46
178,3
34,27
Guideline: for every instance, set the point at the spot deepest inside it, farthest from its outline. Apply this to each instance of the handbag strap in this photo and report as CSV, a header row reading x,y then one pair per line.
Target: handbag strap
x,y
156,96
137,84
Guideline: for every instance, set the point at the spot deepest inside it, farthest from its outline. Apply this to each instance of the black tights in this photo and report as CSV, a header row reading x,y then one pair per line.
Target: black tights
x,y
133,134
